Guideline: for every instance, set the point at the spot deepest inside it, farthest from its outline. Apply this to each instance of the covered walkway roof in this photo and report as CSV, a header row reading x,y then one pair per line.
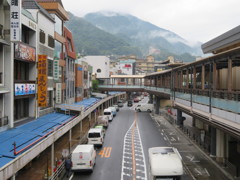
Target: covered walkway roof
x,y
26,135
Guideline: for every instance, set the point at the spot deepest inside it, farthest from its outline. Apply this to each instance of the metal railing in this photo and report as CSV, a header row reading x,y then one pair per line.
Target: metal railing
x,y
58,172
4,121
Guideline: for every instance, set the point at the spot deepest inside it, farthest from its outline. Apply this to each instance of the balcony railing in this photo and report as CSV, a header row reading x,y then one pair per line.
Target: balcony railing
x,y
4,121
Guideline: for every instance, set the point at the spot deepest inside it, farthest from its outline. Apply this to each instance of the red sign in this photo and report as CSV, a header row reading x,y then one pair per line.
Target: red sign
x,y
128,66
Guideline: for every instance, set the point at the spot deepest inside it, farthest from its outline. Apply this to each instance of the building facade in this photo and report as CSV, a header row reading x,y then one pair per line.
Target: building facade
x,y
6,82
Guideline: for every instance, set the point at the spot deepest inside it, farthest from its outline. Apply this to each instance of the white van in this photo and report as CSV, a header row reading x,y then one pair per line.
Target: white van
x,y
83,158
103,120
95,136
165,162
109,113
144,107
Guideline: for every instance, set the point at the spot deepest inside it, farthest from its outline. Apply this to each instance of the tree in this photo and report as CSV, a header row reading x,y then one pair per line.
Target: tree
x,y
95,85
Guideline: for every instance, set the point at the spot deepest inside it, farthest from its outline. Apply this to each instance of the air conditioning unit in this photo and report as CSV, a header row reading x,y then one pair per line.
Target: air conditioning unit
x,y
1,31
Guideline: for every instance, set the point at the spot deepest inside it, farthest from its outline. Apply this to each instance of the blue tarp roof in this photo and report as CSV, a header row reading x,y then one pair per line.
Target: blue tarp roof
x,y
28,133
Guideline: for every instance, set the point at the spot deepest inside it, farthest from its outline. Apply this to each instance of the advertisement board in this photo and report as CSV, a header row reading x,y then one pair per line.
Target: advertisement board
x,y
42,80
24,89
24,52
56,70
58,93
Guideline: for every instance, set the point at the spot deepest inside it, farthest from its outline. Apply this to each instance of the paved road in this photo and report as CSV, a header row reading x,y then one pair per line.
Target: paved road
x,y
124,153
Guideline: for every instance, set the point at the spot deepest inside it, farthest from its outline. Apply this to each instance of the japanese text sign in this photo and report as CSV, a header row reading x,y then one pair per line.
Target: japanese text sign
x,y
15,19
42,80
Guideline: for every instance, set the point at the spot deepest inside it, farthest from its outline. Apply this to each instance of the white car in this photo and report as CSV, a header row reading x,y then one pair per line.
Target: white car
x,y
108,112
116,106
144,107
114,111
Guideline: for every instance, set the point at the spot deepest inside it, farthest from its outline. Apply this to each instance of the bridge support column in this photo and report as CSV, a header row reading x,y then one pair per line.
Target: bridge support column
x,y
157,105
128,95
213,142
151,99
52,158
101,109
13,177
180,118
220,146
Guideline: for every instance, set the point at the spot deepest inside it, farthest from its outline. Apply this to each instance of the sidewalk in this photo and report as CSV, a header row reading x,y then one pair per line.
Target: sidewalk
x,y
197,162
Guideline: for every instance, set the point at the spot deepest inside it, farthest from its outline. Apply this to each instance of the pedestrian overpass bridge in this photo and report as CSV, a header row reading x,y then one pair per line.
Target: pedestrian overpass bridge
x,y
208,90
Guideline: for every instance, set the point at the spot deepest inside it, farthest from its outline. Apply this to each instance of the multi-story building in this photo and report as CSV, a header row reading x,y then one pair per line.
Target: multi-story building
x,y
56,9
45,46
70,57
25,69
100,65
6,82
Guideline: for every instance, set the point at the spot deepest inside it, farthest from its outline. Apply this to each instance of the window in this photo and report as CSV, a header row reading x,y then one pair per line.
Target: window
x,y
1,64
50,41
21,70
25,35
42,36
58,25
98,70
57,50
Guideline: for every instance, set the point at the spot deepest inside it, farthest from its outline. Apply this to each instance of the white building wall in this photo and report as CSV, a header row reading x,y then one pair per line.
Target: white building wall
x,y
99,63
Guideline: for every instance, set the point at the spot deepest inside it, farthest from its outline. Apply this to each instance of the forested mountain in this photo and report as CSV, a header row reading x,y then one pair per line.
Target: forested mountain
x,y
111,33
90,40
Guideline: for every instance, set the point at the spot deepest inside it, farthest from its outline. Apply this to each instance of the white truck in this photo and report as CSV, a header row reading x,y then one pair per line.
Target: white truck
x,y
144,107
165,163
83,158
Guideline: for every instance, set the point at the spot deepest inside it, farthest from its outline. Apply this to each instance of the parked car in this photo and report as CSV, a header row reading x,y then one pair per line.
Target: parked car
x,y
120,103
83,158
136,99
144,107
114,111
129,104
116,106
103,120
108,112
95,136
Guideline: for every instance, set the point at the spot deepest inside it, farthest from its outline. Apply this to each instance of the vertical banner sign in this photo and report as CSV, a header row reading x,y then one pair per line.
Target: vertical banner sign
x,y
58,93
42,80
15,20
56,70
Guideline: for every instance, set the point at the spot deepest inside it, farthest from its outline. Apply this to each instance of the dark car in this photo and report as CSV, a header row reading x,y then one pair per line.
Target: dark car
x,y
129,103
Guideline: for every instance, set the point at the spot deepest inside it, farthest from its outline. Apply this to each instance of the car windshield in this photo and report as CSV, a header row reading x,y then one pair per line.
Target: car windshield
x,y
107,113
94,135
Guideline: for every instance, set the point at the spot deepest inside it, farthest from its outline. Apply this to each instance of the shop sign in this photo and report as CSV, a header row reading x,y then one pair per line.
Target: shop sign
x,y
15,20
127,66
42,80
56,70
58,93
24,89
24,52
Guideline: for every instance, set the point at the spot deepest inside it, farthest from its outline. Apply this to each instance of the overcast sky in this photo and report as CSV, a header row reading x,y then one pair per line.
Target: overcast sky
x,y
193,20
